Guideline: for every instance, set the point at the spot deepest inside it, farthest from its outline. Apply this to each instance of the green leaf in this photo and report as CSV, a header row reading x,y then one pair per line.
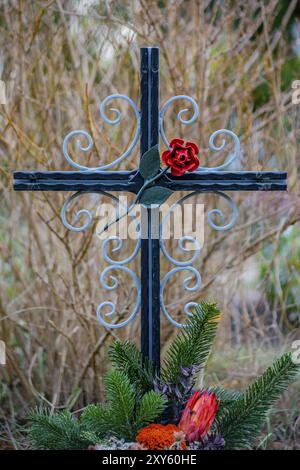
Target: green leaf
x,y
150,163
154,195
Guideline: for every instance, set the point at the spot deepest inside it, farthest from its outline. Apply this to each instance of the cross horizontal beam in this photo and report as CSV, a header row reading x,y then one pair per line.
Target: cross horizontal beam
x,y
132,181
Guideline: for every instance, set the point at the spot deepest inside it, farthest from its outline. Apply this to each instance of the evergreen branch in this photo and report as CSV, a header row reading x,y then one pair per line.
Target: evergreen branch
x,y
127,358
59,431
150,408
97,419
120,395
226,396
192,346
227,399
91,437
241,423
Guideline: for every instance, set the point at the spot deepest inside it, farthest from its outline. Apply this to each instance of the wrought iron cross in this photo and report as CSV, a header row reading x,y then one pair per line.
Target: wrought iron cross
x,y
150,289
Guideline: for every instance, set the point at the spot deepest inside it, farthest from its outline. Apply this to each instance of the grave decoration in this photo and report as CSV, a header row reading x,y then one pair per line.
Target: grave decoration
x,y
148,405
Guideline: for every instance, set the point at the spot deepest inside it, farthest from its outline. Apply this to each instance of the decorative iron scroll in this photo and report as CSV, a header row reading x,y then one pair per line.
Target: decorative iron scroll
x,y
179,115
187,265
212,145
85,135
109,282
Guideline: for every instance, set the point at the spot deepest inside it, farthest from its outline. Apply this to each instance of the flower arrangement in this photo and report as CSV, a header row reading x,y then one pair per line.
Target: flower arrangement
x,y
146,410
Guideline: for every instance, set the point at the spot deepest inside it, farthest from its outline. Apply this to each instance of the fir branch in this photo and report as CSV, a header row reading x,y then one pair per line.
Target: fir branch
x,y
96,419
127,358
192,346
241,423
59,431
150,408
227,397
91,437
121,396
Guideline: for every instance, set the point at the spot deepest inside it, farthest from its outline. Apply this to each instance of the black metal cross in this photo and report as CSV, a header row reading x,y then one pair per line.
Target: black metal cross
x,y
132,181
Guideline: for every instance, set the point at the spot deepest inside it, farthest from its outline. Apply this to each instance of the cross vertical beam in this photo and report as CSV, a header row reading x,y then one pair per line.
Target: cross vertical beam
x,y
150,249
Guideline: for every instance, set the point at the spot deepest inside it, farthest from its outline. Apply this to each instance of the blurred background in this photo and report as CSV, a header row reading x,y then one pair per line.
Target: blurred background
x,y
58,60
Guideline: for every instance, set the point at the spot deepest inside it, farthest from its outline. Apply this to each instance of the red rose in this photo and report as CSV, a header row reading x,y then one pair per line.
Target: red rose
x,y
181,157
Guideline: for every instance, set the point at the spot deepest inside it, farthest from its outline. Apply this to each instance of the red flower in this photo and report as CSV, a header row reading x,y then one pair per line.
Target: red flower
x,y
180,157
198,415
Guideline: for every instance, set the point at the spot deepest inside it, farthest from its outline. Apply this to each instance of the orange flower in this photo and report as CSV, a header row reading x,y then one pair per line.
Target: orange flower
x,y
158,436
198,415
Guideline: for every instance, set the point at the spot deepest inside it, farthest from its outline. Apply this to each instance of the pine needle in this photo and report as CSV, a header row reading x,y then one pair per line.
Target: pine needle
x,y
242,421
193,344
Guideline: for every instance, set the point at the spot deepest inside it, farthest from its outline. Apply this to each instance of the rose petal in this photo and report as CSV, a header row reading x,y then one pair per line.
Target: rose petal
x,y
165,156
176,142
176,165
170,160
190,167
193,166
181,157
194,146
197,162
176,172
178,161
191,151
178,147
